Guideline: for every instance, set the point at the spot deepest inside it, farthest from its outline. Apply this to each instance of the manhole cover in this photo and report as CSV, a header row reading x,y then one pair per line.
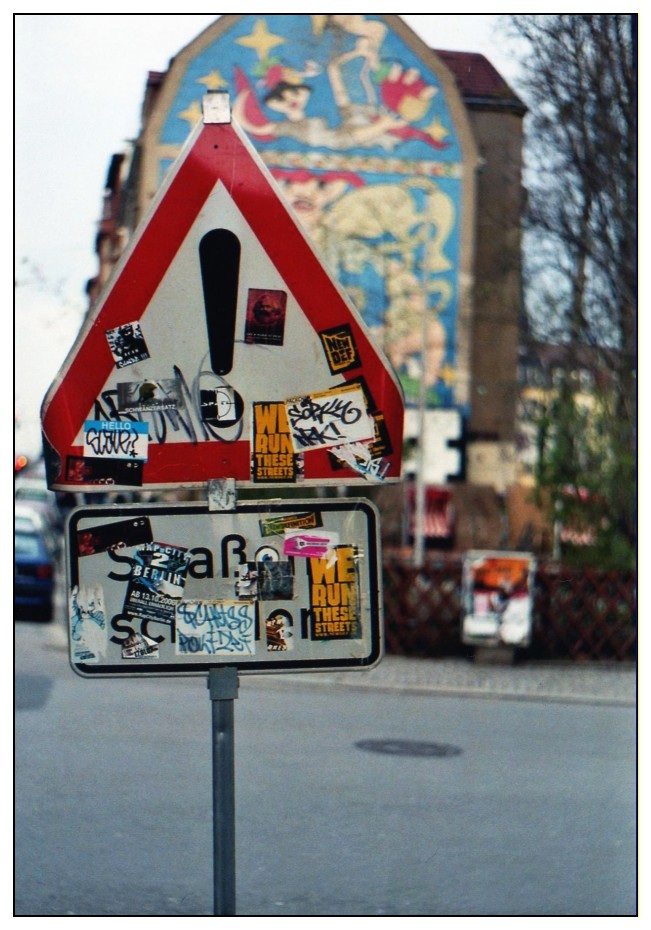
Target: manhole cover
x,y
406,747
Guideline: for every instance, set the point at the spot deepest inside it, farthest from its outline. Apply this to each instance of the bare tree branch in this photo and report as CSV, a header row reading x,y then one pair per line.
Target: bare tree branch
x,y
580,83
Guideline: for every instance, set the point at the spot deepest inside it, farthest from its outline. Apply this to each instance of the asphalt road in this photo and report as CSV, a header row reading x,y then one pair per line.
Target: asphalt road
x,y
473,807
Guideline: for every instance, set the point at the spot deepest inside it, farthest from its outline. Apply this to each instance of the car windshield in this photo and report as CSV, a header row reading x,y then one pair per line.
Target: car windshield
x,y
32,491
27,544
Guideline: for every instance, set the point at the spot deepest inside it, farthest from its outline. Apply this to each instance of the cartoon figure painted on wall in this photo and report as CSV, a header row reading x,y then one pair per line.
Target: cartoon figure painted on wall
x,y
357,131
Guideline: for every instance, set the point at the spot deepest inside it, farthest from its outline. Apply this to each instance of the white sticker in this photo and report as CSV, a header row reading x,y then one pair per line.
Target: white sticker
x,y
330,418
88,628
222,494
358,457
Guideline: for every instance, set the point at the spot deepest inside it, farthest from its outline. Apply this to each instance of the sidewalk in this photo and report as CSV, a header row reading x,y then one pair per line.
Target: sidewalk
x,y
587,683
594,683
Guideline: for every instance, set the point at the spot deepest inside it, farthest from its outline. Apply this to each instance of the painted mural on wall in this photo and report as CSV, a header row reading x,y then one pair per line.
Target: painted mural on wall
x,y
358,133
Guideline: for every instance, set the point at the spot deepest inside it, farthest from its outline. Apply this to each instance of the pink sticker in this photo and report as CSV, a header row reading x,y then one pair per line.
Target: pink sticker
x,y
309,545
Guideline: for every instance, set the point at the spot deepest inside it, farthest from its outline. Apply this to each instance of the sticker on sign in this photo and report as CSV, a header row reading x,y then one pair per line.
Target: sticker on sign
x,y
178,589
329,419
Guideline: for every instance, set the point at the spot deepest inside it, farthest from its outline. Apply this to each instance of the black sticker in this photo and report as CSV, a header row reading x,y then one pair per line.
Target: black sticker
x,y
221,406
114,536
275,580
156,584
150,395
127,344
81,470
340,349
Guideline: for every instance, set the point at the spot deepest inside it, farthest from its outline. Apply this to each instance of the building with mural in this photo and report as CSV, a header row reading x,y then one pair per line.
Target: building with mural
x,y
403,164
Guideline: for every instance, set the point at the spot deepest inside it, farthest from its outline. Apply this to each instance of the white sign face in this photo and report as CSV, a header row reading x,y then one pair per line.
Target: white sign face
x,y
266,587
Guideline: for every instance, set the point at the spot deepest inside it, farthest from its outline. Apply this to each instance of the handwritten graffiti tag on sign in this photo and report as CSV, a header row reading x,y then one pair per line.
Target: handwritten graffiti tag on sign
x,y
329,418
215,627
115,440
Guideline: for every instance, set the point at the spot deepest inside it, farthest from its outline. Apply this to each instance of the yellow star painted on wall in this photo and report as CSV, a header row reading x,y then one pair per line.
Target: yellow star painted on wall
x,y
261,40
448,375
193,113
212,81
436,130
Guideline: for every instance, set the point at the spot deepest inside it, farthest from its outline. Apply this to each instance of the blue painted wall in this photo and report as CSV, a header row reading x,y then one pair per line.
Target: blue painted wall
x,y
358,132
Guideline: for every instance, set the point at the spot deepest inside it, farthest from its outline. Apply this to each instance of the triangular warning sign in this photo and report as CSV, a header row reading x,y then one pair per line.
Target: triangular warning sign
x,y
222,349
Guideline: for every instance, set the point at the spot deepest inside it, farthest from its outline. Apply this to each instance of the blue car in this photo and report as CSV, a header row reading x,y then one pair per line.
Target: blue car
x,y
34,569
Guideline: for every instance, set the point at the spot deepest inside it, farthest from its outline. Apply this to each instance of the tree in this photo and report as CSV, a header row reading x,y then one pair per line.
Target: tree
x,y
580,83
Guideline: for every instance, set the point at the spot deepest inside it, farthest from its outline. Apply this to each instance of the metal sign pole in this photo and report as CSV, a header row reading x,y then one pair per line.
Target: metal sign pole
x,y
419,502
223,686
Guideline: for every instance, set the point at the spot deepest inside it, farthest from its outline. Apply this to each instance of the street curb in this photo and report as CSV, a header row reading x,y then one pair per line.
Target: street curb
x,y
330,683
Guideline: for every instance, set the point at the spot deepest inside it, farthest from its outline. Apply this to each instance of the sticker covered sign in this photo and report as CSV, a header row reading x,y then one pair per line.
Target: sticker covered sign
x,y
222,349
175,589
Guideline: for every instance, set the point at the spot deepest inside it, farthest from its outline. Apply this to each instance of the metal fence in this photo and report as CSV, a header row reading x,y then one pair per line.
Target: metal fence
x,y
577,615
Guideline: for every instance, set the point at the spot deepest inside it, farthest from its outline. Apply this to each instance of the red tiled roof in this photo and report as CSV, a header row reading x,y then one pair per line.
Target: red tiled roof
x,y
476,77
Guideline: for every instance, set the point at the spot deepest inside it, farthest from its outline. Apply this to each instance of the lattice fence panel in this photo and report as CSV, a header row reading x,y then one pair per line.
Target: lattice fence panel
x,y
423,609
579,615
585,614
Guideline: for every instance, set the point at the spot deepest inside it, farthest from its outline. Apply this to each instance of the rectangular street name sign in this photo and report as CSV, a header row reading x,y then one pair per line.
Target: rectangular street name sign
x,y
178,589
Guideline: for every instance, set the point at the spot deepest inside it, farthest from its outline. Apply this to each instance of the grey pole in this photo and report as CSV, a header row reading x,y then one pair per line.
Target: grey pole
x,y
223,685
418,553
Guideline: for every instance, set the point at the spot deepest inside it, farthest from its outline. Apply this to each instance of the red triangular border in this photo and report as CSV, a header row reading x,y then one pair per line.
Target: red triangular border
x,y
217,152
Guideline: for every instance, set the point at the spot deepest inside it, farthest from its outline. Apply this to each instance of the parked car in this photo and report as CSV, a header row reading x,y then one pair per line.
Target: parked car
x,y
34,573
32,488
35,492
27,519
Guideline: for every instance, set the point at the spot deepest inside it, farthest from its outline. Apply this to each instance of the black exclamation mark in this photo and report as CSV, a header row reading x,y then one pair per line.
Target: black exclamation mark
x,y
219,257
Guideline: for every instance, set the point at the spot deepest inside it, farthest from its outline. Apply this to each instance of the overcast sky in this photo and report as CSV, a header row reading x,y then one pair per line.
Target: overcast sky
x,y
79,83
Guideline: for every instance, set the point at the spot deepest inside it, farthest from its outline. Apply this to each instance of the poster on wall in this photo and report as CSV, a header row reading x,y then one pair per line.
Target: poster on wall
x,y
177,589
497,598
